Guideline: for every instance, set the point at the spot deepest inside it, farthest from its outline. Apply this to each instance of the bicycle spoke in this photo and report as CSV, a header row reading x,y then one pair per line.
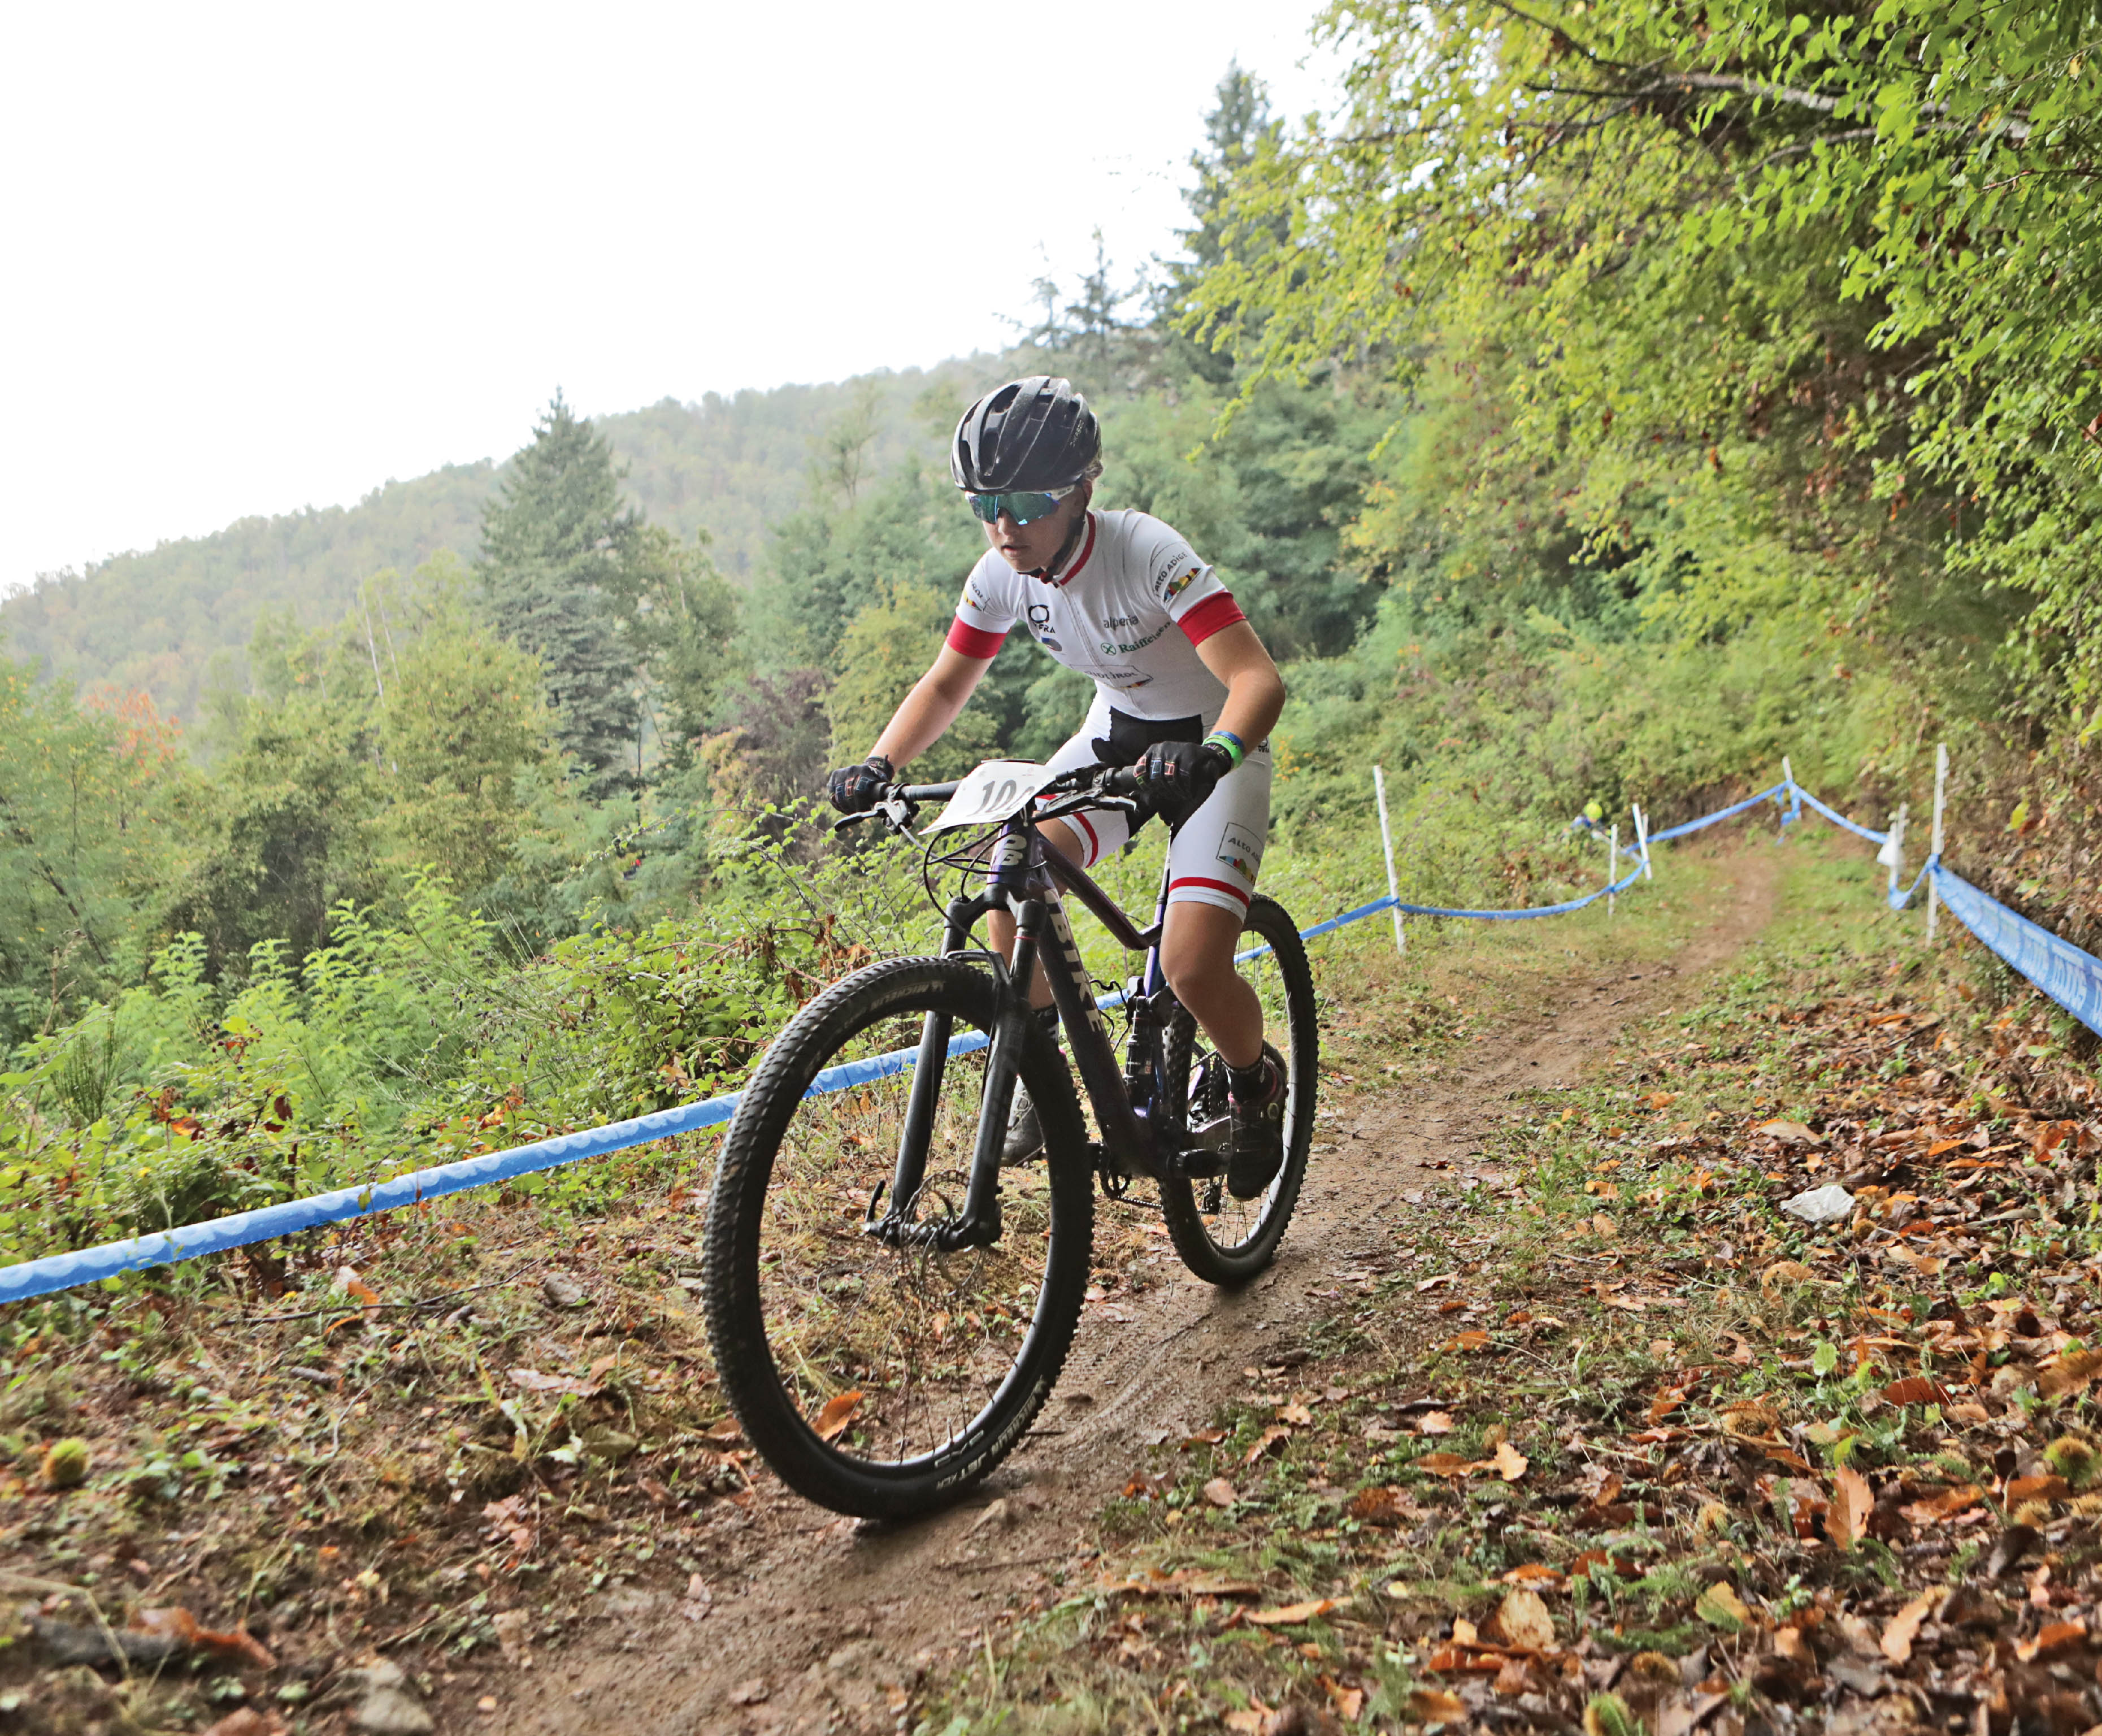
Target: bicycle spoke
x,y
891,1353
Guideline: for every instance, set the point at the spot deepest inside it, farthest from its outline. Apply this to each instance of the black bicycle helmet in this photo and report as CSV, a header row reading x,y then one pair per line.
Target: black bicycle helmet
x,y
1034,433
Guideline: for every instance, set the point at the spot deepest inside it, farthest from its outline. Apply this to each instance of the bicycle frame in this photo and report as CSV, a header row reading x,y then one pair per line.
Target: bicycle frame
x,y
1025,875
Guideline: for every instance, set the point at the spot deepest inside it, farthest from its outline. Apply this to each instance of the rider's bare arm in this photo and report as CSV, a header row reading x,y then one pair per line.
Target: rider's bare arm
x,y
935,698
1255,691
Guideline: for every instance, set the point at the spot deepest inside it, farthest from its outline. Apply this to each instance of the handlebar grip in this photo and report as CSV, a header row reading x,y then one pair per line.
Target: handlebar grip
x,y
1119,781
925,792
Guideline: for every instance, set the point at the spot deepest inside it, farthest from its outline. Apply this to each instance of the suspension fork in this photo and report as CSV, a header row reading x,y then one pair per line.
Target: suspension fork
x,y
979,1224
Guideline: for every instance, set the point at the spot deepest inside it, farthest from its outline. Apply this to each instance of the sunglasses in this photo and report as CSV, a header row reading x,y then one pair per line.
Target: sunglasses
x,y
1024,509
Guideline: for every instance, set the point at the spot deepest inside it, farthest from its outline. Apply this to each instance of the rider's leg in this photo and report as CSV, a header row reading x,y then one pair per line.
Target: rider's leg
x,y
1001,924
1197,945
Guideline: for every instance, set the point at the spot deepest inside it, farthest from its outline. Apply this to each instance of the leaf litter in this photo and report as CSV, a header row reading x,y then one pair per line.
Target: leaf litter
x,y
1719,1468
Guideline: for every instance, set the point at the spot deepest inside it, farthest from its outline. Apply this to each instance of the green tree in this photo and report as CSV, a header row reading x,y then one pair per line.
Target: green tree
x,y
93,807
558,547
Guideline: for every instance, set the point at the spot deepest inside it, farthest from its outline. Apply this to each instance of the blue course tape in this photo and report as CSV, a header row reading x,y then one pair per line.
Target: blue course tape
x,y
2071,977
1802,794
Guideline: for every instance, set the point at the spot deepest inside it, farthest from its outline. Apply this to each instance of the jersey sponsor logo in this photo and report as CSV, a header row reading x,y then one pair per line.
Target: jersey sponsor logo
x,y
972,597
1111,623
1240,850
1126,647
1040,624
1174,559
1176,586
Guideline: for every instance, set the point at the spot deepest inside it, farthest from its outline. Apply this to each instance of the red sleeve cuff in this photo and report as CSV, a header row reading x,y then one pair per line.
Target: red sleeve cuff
x,y
1209,617
972,641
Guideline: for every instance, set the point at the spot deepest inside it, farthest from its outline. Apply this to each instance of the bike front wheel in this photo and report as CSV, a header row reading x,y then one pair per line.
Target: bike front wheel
x,y
882,1377
1224,1240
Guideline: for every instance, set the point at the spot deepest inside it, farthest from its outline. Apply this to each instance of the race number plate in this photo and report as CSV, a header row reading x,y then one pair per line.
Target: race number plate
x,y
995,789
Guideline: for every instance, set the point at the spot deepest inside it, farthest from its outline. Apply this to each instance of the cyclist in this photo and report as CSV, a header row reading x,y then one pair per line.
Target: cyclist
x,y
1185,694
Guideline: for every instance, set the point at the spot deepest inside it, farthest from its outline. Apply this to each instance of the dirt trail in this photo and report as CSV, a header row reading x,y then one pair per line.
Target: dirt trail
x,y
824,1611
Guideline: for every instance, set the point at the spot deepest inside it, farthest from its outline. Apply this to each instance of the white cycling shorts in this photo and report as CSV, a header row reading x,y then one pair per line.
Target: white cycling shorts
x,y
1215,856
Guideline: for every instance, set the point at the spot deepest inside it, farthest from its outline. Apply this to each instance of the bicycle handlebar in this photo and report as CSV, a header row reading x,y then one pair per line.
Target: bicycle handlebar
x,y
1112,786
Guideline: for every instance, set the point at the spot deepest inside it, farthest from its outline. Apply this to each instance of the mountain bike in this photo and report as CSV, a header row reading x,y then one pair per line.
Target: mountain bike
x,y
889,1306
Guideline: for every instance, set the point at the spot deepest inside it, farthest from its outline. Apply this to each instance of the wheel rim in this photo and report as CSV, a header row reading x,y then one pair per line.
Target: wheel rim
x,y
891,1356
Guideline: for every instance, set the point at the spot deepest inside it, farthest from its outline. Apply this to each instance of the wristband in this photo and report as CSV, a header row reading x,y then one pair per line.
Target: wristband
x,y
1226,738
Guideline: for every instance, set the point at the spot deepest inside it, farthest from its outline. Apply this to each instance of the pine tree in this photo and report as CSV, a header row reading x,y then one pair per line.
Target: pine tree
x,y
557,547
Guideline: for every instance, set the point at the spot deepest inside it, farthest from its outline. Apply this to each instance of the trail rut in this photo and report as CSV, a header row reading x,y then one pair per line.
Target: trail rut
x,y
812,1618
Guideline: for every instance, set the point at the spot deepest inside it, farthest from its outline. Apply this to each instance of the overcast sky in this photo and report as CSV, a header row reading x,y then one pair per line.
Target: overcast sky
x,y
261,258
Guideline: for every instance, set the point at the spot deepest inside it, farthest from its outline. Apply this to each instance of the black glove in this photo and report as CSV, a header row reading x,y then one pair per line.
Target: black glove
x,y
853,787
1175,777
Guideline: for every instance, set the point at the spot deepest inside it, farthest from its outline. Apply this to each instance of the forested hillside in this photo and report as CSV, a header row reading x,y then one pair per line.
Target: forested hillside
x,y
175,620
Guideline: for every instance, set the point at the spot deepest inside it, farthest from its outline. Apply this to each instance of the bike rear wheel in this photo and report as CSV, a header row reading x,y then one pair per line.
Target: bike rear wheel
x,y
875,1380
1224,1240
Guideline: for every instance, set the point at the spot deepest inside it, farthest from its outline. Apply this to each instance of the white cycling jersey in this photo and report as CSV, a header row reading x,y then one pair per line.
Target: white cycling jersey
x,y
1128,611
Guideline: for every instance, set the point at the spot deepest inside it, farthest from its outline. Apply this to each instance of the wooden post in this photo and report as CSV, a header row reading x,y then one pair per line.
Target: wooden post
x,y
1386,843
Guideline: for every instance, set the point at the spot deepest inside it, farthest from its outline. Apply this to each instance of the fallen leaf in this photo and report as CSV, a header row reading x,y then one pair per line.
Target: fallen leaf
x,y
1270,1438
1789,1133
1535,1573
1387,1507
1847,1519
351,1284
1443,1465
2042,1487
2074,1369
1944,1505
1218,1585
1350,1702
1293,1613
1470,1341
1220,1493
1436,1706
1915,1389
1903,1628
2053,1638
1523,1620
1297,1415
534,1381
1435,1423
1247,1723
838,1412
1511,1464
237,1646
1786,1272
1720,1606
1435,1284
1204,1437
247,1722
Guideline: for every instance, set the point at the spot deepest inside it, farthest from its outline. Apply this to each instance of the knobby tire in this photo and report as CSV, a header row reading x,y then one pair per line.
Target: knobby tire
x,y
765,1406
1237,1258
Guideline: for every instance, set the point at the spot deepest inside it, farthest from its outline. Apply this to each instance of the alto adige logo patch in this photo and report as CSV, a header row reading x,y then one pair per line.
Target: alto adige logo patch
x,y
1176,586
1241,851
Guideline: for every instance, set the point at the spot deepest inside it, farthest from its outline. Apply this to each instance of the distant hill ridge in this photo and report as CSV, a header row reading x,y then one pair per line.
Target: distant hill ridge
x,y
162,620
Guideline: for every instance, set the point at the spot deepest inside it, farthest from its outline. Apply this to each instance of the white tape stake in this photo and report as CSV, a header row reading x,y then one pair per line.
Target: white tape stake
x,y
1386,843
1895,850
1642,838
1941,800
1613,864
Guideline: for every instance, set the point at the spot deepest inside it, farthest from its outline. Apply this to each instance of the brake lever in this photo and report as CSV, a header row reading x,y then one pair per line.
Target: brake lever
x,y
896,814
